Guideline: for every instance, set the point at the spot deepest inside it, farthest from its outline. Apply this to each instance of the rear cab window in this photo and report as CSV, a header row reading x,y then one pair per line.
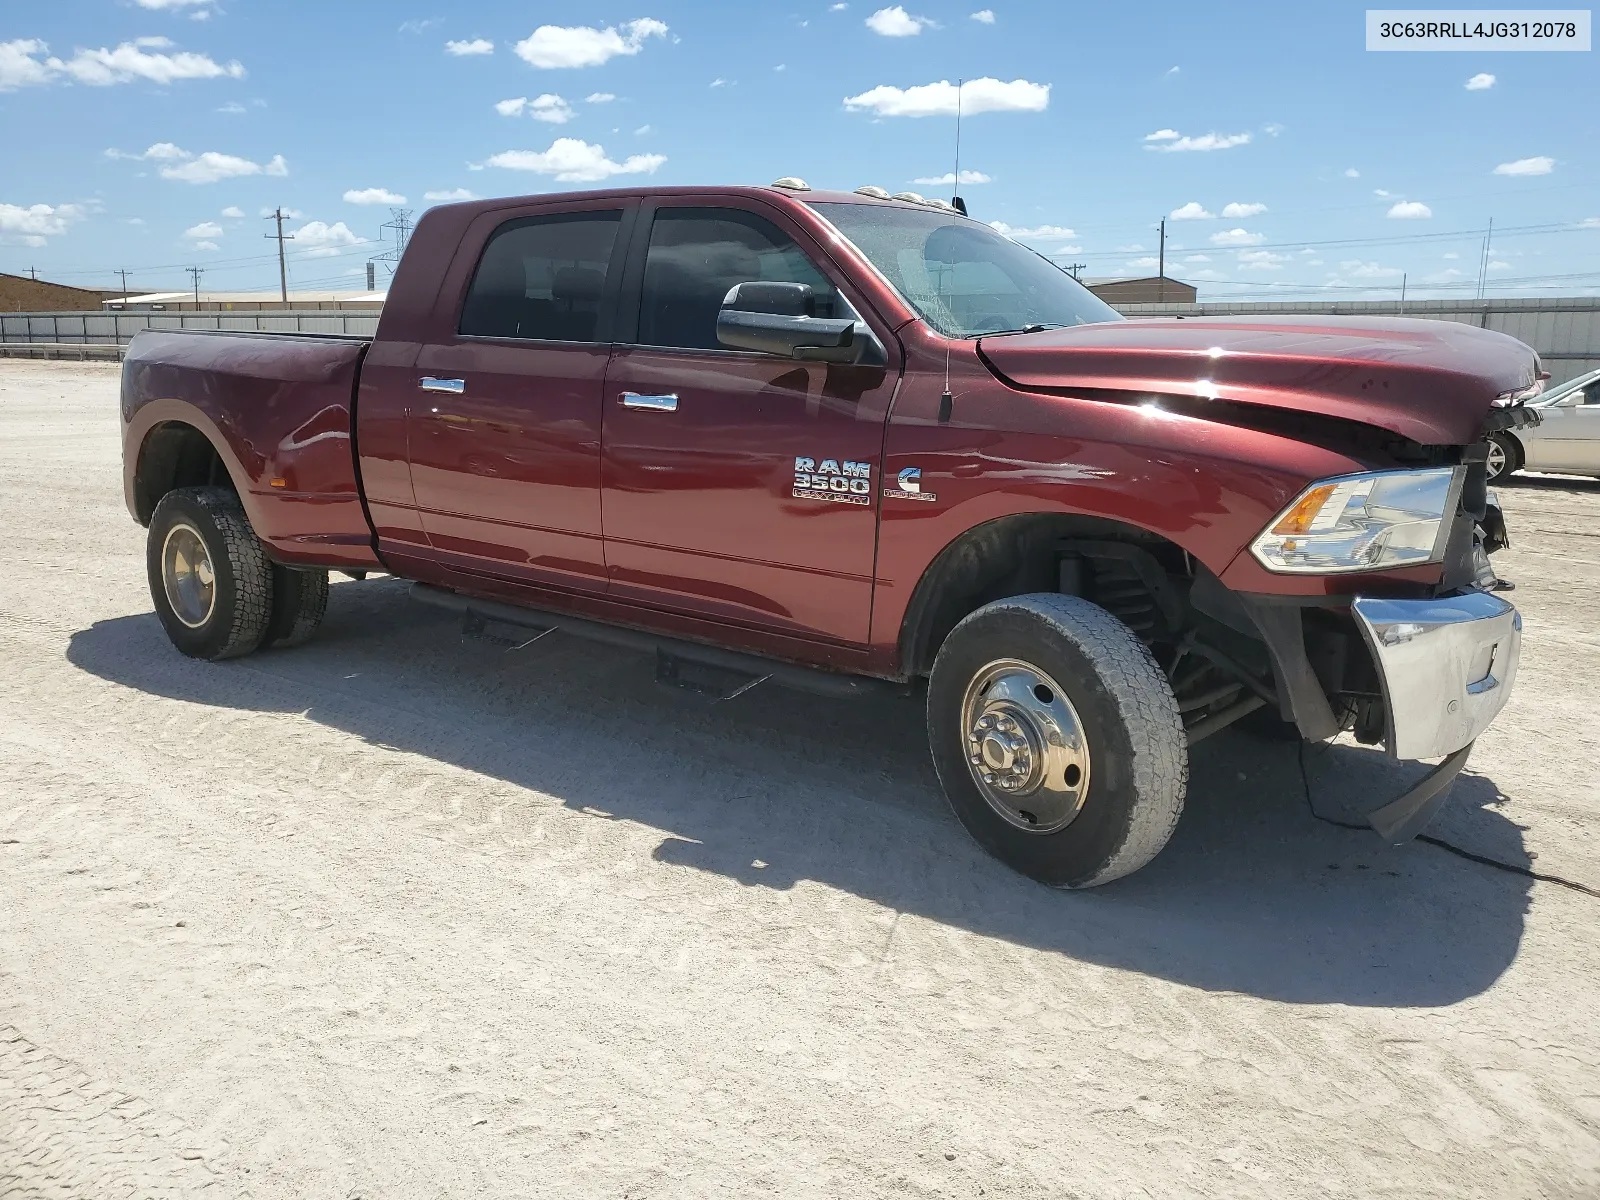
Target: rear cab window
x,y
544,278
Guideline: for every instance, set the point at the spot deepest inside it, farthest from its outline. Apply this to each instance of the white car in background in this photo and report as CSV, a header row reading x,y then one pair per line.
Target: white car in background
x,y
1566,440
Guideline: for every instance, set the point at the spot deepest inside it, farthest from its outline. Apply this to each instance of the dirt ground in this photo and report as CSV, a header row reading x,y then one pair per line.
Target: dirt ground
x,y
398,915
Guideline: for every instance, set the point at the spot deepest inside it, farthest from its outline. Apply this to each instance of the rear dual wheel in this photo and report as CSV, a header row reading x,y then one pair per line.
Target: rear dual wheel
x,y
216,593
1057,739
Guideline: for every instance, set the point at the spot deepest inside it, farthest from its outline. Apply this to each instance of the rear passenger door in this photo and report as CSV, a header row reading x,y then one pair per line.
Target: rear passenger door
x,y
739,486
505,429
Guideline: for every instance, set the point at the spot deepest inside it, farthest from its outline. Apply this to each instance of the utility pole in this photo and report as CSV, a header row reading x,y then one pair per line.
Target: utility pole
x,y
1074,268
33,275
1161,268
1403,277
124,274
1483,261
283,271
196,272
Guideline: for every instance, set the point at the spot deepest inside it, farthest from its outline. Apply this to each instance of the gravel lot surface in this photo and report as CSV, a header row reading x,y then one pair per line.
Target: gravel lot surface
x,y
402,915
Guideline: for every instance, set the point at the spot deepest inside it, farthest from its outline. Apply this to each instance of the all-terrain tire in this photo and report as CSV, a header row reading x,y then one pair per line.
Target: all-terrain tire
x,y
299,602
241,604
1512,460
1129,719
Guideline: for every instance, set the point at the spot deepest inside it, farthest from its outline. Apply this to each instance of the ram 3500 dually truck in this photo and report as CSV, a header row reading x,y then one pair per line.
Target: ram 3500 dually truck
x,y
846,440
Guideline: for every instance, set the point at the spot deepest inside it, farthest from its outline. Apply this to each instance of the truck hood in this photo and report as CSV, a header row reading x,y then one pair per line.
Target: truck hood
x,y
1430,381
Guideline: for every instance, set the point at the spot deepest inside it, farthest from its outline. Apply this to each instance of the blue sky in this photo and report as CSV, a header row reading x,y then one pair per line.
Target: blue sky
x,y
1289,161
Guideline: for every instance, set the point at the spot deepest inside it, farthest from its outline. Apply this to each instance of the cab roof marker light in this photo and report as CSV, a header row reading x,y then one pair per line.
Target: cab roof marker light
x,y
877,193
791,183
913,197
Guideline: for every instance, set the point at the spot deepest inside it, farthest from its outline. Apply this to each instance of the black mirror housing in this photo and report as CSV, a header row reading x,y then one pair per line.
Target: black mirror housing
x,y
778,299
815,339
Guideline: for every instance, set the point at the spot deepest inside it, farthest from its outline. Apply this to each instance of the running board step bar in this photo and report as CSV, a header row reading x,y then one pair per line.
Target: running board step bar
x,y
476,612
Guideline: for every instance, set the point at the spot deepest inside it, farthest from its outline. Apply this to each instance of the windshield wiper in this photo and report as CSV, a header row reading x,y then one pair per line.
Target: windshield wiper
x,y
1040,327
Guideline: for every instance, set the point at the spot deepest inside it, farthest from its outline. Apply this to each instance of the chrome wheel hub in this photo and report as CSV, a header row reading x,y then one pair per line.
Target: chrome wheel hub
x,y
1025,746
1496,461
187,575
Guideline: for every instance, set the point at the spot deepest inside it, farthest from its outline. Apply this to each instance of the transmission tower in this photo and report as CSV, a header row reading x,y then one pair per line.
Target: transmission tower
x,y
400,222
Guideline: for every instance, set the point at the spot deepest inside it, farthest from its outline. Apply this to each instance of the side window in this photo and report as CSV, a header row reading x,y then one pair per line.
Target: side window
x,y
697,254
542,278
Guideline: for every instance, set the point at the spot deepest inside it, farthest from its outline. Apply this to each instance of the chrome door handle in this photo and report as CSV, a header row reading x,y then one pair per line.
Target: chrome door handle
x,y
454,386
665,403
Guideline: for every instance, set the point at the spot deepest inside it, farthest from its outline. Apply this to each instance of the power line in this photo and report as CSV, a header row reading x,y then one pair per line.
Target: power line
x,y
196,272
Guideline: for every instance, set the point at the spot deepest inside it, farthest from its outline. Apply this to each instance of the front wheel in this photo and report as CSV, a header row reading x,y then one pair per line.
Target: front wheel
x,y
1057,739
210,578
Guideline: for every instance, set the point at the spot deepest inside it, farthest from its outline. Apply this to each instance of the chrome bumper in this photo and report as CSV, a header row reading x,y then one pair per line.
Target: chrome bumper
x,y
1447,667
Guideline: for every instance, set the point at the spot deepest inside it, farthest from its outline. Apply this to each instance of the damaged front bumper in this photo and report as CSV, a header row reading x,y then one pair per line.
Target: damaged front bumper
x,y
1446,666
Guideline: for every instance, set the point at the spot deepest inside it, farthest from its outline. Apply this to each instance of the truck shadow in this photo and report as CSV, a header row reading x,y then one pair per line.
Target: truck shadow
x,y
1253,895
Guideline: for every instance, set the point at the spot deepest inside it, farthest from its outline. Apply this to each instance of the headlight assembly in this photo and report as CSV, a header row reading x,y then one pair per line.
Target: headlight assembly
x,y
1371,522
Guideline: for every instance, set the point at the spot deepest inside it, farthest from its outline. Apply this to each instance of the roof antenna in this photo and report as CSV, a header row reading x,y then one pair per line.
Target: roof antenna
x,y
946,400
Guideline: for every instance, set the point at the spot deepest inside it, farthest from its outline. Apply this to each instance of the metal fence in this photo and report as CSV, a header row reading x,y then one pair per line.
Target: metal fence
x,y
118,328
1565,332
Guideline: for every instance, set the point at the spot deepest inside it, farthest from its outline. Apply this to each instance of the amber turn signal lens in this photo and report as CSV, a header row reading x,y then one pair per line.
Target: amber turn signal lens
x,y
1298,519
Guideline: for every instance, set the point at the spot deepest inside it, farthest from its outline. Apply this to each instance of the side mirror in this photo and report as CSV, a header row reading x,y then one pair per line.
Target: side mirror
x,y
775,318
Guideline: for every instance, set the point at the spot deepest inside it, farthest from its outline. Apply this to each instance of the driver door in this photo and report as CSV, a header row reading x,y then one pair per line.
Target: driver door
x,y
712,456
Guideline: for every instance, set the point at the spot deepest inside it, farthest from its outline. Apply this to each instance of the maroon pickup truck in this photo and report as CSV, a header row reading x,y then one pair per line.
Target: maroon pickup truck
x,y
846,441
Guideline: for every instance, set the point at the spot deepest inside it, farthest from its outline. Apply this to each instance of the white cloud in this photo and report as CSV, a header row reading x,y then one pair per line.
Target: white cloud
x,y
172,4
375,195
1527,166
452,194
1243,211
1261,260
939,99
511,108
1170,140
552,46
551,109
1237,237
464,49
233,108
1192,211
37,222
20,65
1497,265
1037,233
573,160
950,177
1197,258
206,230
1272,129
642,130
233,212
207,246
1174,70
599,98
1144,264
1356,269
1589,223
207,167
23,64
289,214
1351,173
318,239
837,7
897,22
719,82
1482,81
1410,210
984,16
418,27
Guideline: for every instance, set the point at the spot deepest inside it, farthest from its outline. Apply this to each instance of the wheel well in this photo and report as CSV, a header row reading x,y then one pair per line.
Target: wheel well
x,y
1121,567
175,455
